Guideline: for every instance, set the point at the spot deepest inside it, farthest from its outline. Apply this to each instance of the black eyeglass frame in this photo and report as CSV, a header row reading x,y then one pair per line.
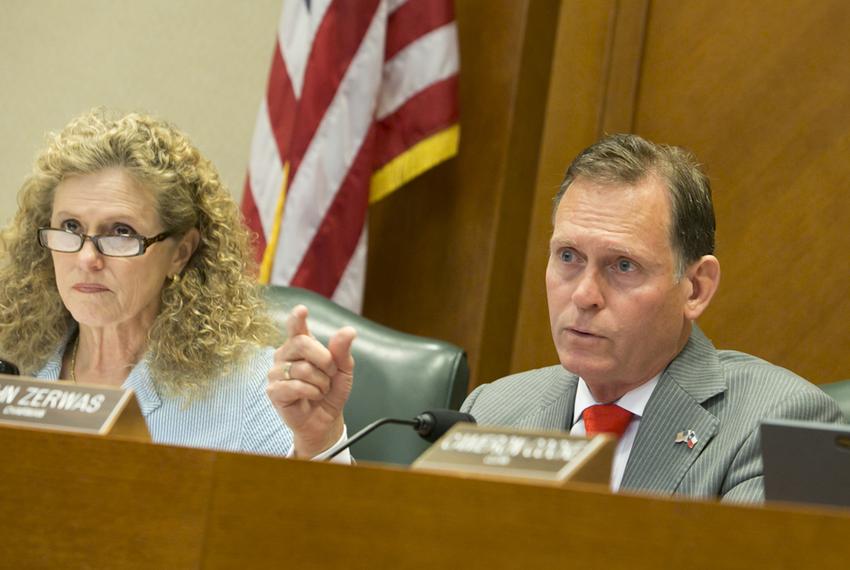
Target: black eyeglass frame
x,y
143,241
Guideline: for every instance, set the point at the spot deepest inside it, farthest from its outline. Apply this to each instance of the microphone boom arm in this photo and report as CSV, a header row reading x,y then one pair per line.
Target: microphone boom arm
x,y
337,449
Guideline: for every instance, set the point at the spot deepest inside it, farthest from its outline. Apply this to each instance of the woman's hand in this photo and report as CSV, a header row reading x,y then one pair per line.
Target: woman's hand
x,y
310,383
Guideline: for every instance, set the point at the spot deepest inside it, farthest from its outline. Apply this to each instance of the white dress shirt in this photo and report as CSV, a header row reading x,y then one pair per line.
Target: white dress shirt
x,y
634,401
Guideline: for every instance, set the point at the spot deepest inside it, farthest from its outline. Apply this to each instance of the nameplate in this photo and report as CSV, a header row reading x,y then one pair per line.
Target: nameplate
x,y
544,456
64,406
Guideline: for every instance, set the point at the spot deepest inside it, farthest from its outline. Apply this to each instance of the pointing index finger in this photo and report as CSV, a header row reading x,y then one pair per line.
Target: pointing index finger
x,y
296,322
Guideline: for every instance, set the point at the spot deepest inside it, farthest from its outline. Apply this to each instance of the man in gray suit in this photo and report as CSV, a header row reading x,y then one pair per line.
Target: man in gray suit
x,y
631,268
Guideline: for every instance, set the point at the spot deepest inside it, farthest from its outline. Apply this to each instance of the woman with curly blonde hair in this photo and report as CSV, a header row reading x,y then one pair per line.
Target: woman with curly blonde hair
x,y
127,264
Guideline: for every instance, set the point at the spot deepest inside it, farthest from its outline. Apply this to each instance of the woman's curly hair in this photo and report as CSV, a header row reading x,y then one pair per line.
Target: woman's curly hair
x,y
209,318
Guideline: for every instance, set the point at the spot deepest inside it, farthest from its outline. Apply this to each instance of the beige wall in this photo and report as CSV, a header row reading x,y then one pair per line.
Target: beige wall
x,y
201,64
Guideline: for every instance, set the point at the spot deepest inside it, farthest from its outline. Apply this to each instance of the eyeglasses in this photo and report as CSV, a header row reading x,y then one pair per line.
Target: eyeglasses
x,y
110,245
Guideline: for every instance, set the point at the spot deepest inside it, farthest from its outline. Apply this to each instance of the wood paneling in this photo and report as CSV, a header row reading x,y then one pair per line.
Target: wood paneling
x,y
514,216
79,501
760,92
86,502
381,518
622,67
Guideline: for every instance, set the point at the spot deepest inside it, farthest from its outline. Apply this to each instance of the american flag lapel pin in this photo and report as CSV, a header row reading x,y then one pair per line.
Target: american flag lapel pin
x,y
687,436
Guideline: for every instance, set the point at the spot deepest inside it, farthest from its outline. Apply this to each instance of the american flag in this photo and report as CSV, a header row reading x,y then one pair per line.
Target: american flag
x,y
361,98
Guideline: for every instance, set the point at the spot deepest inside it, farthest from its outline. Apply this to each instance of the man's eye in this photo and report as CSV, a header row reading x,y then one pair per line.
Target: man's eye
x,y
568,256
625,266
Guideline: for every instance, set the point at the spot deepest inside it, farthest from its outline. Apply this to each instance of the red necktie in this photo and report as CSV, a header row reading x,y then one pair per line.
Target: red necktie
x,y
606,418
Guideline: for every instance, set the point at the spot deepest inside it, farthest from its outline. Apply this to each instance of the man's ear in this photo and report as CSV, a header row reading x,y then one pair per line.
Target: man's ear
x,y
704,278
185,248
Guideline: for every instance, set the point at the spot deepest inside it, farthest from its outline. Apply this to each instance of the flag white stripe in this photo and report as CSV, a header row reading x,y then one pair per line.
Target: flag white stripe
x,y
393,5
331,151
349,292
265,171
430,59
296,32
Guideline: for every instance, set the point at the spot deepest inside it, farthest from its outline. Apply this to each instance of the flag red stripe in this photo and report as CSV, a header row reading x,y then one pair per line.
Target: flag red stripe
x,y
281,103
428,112
252,218
414,19
334,243
337,40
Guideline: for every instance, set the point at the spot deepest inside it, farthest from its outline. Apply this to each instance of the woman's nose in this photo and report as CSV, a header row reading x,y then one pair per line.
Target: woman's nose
x,y
88,256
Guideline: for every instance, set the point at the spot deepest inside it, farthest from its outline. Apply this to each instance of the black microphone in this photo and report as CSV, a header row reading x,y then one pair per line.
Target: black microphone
x,y
430,425
7,367
434,423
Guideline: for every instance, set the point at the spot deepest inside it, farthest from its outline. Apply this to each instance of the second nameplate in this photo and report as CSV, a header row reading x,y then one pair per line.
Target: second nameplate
x,y
544,456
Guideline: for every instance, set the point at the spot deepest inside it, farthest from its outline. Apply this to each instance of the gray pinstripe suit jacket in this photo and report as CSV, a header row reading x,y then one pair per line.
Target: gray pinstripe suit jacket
x,y
721,395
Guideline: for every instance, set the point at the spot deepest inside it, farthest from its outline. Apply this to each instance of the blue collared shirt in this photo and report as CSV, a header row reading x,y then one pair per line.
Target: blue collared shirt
x,y
235,415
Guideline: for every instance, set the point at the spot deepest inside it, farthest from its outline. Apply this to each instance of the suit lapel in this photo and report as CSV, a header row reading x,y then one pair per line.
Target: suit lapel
x,y
556,404
657,463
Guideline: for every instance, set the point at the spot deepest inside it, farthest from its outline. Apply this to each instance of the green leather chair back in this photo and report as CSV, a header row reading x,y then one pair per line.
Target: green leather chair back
x,y
840,391
396,374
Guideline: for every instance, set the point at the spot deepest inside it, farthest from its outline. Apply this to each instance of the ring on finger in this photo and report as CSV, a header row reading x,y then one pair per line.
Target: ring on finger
x,y
287,366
